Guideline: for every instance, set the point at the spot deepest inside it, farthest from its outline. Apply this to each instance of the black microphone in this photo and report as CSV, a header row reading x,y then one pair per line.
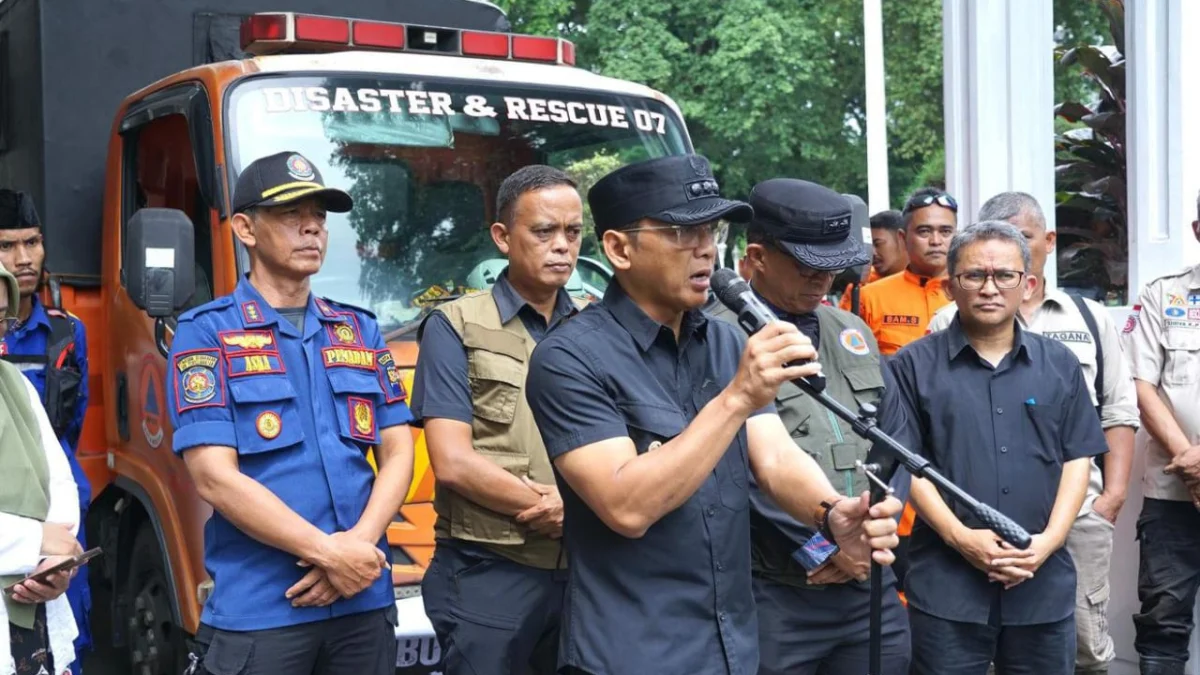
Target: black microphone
x,y
752,314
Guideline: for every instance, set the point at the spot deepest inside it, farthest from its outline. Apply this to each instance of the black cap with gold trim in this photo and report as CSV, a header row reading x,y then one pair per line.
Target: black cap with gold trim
x,y
282,178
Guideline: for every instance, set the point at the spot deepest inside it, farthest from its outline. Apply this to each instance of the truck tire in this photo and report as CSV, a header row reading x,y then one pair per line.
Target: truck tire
x,y
156,645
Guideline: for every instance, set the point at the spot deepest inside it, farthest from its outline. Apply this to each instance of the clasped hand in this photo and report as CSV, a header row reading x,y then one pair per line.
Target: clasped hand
x,y
1002,562
351,563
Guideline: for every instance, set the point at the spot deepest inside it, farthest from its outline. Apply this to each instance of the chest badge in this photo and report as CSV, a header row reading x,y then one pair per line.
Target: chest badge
x,y
249,341
853,341
268,425
344,333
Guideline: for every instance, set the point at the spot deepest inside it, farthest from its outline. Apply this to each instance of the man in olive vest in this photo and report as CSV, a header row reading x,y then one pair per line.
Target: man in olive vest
x,y
813,604
495,587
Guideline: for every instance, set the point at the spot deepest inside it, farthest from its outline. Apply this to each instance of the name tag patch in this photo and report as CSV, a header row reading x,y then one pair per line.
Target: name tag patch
x,y
197,382
1069,336
349,357
901,320
254,363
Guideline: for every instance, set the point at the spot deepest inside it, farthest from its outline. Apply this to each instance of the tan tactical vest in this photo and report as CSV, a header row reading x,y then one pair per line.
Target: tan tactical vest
x,y
503,431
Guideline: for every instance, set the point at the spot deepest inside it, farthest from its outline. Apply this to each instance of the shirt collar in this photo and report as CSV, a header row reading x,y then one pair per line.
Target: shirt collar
x,y
510,302
257,312
639,325
37,315
922,281
956,340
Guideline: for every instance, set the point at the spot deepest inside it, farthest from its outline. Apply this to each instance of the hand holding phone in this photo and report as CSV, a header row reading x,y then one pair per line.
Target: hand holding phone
x,y
50,579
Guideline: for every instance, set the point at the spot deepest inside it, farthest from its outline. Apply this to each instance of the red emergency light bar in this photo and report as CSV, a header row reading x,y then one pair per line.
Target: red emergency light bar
x,y
283,32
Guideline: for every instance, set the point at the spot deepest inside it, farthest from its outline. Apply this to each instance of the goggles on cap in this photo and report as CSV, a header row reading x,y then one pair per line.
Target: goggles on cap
x,y
941,199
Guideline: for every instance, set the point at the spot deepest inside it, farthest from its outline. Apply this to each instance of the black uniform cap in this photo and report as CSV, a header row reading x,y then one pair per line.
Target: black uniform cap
x,y
282,178
676,190
811,222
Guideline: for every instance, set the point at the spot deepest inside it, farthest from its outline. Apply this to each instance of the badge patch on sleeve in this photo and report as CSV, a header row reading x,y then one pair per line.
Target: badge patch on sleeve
x,y
1132,321
854,342
389,377
197,379
362,419
268,424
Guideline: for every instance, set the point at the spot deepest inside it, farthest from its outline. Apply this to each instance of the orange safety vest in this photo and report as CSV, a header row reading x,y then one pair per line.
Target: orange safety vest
x,y
898,308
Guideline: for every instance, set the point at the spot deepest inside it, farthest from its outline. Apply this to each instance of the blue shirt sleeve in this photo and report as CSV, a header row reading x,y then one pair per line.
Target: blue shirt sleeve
x,y
440,385
198,392
81,357
1082,435
568,399
394,409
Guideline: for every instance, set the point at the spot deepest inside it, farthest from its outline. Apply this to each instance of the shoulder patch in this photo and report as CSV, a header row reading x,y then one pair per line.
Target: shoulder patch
x,y
345,305
219,303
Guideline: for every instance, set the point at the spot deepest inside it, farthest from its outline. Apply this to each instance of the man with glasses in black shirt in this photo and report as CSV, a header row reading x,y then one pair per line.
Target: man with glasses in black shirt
x,y
1006,415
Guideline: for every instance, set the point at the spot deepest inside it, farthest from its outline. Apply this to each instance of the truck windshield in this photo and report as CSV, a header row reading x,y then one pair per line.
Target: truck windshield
x,y
423,160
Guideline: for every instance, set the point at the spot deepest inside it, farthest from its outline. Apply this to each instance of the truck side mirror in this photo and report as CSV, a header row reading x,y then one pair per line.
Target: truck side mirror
x,y
160,261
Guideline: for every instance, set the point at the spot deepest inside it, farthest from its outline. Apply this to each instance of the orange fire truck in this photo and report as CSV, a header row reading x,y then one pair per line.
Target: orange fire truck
x,y
417,109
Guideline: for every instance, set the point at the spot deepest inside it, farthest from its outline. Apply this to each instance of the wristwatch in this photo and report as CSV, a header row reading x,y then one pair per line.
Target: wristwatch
x,y
823,519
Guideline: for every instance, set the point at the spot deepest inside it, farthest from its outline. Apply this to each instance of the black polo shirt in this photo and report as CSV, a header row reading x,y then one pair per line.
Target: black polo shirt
x,y
677,600
440,384
1001,434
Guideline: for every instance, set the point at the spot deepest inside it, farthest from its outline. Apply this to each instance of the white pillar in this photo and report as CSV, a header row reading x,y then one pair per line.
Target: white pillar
x,y
1163,177
998,57
878,195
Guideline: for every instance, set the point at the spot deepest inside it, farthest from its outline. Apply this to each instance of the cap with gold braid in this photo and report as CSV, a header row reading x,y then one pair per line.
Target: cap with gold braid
x,y
282,178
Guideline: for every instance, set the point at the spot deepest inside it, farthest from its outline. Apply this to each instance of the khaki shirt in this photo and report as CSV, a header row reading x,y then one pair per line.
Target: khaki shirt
x,y
1059,318
1162,338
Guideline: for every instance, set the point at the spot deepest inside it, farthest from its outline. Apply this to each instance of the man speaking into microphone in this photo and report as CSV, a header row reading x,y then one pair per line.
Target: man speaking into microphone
x,y
655,417
813,601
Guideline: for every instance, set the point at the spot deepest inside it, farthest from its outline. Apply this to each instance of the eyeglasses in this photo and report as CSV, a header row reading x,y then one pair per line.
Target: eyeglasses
x,y
692,236
941,199
1004,279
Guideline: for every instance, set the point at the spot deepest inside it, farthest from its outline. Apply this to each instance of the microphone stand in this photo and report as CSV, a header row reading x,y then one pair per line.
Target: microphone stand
x,y
863,424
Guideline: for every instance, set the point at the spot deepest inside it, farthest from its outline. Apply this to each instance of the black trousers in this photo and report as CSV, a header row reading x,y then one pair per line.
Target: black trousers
x,y
826,631
493,616
942,647
359,644
1168,578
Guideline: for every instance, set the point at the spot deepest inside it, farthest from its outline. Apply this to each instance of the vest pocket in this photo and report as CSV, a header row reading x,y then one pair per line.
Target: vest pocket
x,y
471,522
866,382
496,384
792,412
266,414
355,395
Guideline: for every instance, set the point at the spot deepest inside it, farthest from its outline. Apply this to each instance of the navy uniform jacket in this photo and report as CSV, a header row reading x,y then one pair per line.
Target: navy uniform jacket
x,y
302,409
29,339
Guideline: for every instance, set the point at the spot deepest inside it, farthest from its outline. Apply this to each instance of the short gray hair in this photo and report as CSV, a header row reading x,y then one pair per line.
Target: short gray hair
x,y
1009,205
988,230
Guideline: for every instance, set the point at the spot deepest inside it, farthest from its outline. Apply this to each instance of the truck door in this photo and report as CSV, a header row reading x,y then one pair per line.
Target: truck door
x,y
167,162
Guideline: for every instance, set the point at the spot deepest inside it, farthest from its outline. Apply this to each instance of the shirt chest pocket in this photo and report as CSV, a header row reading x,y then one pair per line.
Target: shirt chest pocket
x,y
496,373
1044,421
1181,366
356,392
267,414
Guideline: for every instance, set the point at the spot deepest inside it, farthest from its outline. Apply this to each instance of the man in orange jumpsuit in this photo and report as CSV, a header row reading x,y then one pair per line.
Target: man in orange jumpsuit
x,y
898,308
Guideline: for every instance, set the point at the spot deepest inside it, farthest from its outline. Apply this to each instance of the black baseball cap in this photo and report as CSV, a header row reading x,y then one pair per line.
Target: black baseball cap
x,y
677,190
811,222
282,178
17,211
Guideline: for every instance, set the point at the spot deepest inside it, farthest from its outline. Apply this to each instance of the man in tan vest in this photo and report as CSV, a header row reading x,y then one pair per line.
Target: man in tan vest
x,y
494,590
813,607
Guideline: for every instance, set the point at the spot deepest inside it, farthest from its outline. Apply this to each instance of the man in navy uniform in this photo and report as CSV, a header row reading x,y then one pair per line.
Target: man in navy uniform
x,y
276,397
654,416
49,346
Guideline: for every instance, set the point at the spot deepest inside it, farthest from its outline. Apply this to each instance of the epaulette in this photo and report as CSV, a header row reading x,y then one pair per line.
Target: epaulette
x,y
346,305
219,303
